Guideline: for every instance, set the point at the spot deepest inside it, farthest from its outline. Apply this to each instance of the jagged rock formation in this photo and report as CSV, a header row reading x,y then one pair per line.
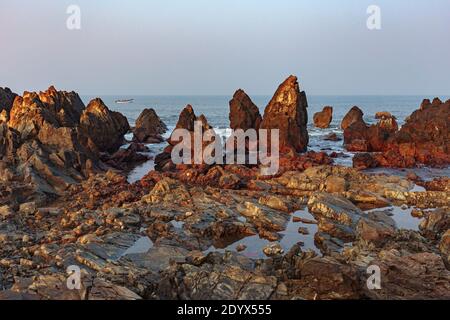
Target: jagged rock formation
x,y
149,127
354,115
186,120
51,141
244,114
423,139
104,128
287,112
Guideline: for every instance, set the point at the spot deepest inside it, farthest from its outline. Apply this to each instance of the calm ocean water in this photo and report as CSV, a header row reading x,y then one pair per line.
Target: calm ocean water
x,y
216,110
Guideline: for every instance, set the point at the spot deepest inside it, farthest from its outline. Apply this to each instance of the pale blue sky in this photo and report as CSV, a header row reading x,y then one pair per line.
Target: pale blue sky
x,y
216,46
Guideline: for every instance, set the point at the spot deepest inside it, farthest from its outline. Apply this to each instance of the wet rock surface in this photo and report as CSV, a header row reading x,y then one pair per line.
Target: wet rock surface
x,y
163,238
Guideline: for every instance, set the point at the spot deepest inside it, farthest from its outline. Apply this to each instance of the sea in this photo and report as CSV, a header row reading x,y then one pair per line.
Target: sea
x,y
216,110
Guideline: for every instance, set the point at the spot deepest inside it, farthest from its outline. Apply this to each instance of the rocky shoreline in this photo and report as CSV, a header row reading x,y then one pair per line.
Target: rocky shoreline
x,y
218,231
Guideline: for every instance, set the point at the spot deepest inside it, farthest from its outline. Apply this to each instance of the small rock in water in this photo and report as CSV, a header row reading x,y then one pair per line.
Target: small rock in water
x,y
303,220
241,247
323,118
303,230
412,176
404,207
332,137
273,249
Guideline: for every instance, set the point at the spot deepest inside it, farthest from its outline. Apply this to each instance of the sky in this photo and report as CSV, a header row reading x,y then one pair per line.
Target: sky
x,y
213,47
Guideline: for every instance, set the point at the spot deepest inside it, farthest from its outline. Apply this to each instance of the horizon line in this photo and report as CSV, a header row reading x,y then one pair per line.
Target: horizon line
x,y
268,95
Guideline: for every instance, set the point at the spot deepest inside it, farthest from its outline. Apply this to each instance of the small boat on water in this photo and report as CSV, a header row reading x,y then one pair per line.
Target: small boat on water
x,y
124,101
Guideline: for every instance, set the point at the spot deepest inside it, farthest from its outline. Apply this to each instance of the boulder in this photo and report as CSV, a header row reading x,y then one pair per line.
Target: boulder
x,y
149,127
323,118
244,114
354,115
287,112
105,128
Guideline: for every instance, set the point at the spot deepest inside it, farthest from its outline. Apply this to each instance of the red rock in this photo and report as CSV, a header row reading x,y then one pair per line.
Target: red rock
x,y
104,128
323,118
186,120
244,114
437,184
364,161
354,115
355,136
358,136
386,121
423,139
287,112
149,127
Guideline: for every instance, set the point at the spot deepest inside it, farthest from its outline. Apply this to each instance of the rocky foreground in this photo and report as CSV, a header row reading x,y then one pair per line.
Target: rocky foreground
x,y
217,231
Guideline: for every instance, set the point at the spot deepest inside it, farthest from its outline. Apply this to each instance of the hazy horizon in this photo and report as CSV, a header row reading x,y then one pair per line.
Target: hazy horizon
x,y
205,48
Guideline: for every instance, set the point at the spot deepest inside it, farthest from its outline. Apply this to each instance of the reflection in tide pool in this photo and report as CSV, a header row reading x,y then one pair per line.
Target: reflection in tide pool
x,y
254,245
402,217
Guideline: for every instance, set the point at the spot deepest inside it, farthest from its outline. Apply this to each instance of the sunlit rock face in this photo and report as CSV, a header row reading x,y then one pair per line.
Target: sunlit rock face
x,y
423,139
50,140
323,118
287,111
104,128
